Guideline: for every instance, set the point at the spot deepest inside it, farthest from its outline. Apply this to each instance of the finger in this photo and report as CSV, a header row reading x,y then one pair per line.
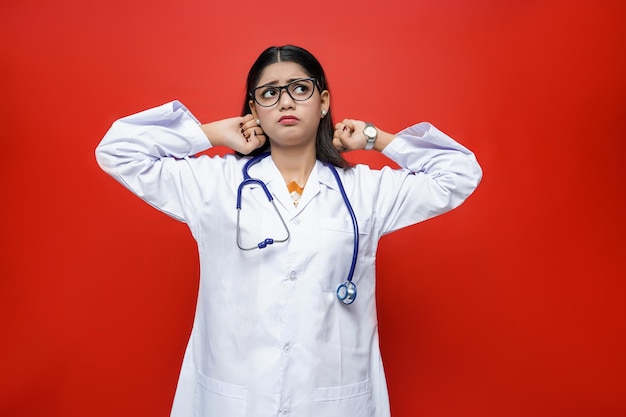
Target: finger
x,y
245,133
342,127
259,139
247,118
253,142
343,134
349,124
248,123
338,144
255,131
248,130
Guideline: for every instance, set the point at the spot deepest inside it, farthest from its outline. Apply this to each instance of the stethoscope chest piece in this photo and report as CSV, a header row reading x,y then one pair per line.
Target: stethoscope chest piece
x,y
346,292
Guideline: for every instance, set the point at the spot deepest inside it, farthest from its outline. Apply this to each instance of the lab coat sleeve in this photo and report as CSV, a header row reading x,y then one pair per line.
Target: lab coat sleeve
x,y
438,174
151,154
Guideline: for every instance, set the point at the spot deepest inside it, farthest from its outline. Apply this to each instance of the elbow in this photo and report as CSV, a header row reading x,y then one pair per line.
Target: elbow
x,y
468,183
455,189
99,154
103,158
469,176
476,176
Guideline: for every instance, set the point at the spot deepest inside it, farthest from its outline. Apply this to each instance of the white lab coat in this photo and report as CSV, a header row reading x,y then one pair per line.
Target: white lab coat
x,y
270,337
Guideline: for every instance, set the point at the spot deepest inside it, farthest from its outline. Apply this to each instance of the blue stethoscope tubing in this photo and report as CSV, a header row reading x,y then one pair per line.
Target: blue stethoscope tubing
x,y
346,292
247,180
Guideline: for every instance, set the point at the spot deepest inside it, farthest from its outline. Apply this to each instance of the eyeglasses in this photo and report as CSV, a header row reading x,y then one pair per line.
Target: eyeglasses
x,y
298,90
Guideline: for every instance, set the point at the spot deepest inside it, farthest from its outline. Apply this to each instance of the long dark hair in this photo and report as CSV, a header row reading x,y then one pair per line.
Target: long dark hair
x,y
324,149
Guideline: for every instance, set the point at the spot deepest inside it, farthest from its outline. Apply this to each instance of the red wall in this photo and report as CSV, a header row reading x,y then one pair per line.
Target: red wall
x,y
511,306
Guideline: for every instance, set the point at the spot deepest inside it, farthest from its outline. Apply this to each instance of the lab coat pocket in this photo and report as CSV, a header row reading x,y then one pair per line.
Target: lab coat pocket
x,y
335,250
216,398
354,400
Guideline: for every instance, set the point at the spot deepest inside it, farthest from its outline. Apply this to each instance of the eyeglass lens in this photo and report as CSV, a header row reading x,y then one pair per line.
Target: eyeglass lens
x,y
298,90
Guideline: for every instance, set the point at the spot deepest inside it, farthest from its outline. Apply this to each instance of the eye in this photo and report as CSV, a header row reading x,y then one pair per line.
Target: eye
x,y
268,92
301,88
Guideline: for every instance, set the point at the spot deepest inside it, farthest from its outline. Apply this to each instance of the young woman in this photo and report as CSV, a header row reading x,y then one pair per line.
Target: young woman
x,y
286,316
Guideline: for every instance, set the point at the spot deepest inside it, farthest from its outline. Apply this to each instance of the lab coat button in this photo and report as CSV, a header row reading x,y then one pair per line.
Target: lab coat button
x,y
293,275
287,348
296,221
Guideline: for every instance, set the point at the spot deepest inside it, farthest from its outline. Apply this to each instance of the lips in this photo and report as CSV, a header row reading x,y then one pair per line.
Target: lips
x,y
287,120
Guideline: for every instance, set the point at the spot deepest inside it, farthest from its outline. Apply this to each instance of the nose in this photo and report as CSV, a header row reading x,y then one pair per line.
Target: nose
x,y
284,99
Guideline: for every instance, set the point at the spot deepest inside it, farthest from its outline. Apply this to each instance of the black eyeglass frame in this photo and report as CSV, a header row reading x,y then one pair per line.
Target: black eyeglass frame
x,y
285,87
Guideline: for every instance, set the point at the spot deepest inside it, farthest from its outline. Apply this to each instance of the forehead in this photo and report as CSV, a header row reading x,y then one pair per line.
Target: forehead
x,y
281,72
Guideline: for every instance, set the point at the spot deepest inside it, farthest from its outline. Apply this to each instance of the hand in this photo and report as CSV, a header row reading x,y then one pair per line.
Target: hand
x,y
349,135
241,134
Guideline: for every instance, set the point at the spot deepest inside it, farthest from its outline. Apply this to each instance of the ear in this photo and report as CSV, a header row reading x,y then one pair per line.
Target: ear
x,y
252,105
324,101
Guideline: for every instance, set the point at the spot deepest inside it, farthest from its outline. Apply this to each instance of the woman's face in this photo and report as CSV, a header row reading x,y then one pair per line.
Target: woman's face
x,y
289,122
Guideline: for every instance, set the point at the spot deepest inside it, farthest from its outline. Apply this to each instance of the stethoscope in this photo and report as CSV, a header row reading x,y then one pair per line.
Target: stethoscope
x,y
346,292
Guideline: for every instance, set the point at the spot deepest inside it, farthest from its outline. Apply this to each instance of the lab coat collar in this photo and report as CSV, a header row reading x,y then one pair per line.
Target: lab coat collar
x,y
267,171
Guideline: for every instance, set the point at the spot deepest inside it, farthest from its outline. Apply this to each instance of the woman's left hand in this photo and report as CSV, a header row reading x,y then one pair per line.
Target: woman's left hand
x,y
349,135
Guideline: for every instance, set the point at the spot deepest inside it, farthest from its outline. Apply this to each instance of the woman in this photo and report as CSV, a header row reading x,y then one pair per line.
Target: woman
x,y
275,333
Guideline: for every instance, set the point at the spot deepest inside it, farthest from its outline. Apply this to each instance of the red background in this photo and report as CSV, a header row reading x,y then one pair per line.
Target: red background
x,y
512,305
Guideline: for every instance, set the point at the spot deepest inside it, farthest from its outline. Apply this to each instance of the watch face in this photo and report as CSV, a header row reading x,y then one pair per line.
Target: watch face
x,y
370,131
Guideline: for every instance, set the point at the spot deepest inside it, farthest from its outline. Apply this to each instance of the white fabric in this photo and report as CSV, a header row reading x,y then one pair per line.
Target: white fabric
x,y
270,337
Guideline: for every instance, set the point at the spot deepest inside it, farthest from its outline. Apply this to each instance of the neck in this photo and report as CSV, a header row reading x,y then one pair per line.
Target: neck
x,y
294,164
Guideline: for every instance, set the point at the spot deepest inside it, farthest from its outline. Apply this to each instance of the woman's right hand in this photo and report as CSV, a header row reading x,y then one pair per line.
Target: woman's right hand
x,y
241,134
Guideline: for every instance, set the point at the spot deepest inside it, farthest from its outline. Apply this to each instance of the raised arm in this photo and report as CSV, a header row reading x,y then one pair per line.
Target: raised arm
x,y
438,173
152,154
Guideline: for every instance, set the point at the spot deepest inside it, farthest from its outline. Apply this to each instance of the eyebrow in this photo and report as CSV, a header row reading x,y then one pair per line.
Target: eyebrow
x,y
275,82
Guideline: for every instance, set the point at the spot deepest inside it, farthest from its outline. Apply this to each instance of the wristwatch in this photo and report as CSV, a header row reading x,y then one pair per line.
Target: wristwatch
x,y
371,134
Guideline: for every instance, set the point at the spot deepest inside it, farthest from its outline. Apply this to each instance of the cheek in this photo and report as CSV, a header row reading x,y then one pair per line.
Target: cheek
x,y
263,113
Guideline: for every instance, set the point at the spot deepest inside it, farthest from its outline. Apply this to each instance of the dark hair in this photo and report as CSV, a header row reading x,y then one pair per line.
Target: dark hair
x,y
324,148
